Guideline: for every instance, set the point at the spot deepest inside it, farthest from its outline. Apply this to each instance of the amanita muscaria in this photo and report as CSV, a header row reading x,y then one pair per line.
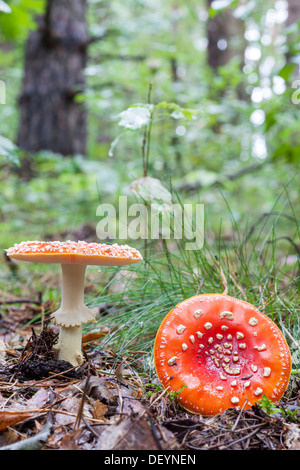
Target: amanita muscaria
x,y
219,352
74,258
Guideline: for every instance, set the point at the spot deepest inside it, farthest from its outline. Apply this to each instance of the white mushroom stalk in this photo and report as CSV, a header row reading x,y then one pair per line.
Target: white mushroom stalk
x,y
72,313
74,257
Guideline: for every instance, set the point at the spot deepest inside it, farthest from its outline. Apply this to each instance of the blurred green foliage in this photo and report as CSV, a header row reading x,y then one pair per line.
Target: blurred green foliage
x,y
208,125
227,138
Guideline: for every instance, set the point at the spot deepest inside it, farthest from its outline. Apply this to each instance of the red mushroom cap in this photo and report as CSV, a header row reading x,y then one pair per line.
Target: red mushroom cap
x,y
224,351
74,252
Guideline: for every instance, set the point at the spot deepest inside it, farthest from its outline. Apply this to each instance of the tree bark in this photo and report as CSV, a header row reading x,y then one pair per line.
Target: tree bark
x,y
55,57
224,29
293,16
293,11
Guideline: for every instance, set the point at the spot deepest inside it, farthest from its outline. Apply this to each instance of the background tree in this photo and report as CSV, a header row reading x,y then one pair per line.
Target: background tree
x,y
294,11
225,34
55,57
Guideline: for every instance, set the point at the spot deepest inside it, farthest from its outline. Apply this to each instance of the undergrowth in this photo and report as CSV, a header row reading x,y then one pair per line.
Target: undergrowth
x,y
257,262
255,265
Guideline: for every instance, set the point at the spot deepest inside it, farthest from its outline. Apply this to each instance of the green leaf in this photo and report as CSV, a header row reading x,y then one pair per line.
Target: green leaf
x,y
151,190
176,111
9,150
4,7
242,11
287,71
21,19
115,143
221,4
135,117
204,177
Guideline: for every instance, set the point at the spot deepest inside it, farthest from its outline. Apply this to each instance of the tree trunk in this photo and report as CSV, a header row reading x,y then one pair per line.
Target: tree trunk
x,y
293,16
55,56
225,35
294,11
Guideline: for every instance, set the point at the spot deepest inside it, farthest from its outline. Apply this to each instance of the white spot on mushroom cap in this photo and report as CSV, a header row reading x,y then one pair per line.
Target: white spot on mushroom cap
x,y
226,314
207,325
197,313
258,391
180,329
267,371
253,321
233,371
184,346
239,335
235,400
263,347
172,361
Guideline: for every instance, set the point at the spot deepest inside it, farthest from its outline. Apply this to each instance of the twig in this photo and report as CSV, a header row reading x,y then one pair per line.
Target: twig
x,y
285,237
233,277
31,443
262,217
146,138
20,301
153,428
231,177
239,416
81,404
200,285
223,277
240,439
160,396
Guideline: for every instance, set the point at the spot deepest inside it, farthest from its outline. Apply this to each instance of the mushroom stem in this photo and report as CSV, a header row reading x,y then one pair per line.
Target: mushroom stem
x,y
72,286
69,345
72,313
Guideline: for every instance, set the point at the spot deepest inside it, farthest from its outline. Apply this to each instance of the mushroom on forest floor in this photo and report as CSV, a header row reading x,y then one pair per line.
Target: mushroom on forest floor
x,y
219,352
74,257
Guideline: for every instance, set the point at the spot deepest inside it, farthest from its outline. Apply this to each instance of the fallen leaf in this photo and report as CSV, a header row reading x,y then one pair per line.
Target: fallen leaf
x,y
99,410
39,399
99,388
292,437
10,418
94,335
134,434
70,441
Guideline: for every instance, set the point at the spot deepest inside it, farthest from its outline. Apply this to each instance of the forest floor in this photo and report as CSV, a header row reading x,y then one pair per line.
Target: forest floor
x,y
110,402
46,404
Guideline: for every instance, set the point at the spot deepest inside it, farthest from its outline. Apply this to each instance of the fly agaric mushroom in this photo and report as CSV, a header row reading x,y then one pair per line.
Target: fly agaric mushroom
x,y
221,352
74,258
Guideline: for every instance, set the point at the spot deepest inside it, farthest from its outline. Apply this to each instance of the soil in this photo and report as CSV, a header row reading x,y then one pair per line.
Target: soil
x,y
48,404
